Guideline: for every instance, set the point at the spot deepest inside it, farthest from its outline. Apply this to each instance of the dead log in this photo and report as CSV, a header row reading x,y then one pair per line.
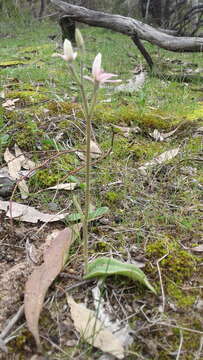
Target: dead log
x,y
131,27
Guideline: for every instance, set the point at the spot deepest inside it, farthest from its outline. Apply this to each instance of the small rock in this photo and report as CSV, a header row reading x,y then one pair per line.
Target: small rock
x,y
52,206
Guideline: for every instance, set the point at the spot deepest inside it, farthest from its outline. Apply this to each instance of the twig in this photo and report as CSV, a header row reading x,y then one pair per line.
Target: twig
x,y
3,346
12,322
161,283
81,283
198,354
180,345
182,328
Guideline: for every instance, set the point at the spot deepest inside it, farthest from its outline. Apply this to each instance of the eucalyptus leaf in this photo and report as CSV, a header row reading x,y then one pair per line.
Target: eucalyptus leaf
x,y
104,266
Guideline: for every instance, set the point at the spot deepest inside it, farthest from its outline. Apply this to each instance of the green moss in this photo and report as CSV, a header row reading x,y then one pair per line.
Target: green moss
x,y
120,148
56,108
196,114
112,196
27,96
26,133
194,145
46,177
131,115
145,150
182,299
9,63
179,264
33,49
55,173
101,246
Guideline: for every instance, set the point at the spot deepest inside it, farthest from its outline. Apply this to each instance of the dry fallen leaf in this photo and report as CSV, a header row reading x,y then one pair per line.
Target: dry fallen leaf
x,y
28,213
14,167
164,157
122,331
93,330
162,136
66,186
10,104
94,150
26,163
134,84
41,278
198,248
15,163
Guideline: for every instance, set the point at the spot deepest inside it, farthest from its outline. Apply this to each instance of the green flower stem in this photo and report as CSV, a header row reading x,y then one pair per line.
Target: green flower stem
x,y
88,112
80,84
87,176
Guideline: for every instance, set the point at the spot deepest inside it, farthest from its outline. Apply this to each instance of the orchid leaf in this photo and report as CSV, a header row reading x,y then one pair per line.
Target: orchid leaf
x,y
104,266
93,215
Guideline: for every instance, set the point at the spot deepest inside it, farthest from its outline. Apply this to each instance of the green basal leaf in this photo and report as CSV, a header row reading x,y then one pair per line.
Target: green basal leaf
x,y
93,215
73,179
98,213
103,267
74,217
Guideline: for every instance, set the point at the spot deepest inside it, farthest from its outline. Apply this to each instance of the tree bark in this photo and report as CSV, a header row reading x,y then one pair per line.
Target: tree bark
x,y
68,28
131,27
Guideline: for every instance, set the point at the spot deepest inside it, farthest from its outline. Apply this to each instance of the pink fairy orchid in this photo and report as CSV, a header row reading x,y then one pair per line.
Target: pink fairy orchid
x,y
68,54
98,74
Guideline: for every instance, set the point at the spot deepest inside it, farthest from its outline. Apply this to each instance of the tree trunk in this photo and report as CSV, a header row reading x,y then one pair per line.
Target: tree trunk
x,y
131,27
68,28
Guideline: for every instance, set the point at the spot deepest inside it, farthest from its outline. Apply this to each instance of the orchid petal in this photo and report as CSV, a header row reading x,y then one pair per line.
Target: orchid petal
x,y
96,66
105,76
86,77
112,81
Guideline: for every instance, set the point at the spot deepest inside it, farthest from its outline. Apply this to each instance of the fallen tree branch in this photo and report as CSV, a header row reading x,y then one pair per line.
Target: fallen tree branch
x,y
129,26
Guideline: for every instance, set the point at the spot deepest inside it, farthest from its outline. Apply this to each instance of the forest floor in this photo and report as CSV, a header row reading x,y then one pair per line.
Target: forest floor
x,y
149,175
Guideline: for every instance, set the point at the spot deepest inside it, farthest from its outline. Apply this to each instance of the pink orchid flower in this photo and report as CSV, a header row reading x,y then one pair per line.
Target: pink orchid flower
x,y
68,54
98,74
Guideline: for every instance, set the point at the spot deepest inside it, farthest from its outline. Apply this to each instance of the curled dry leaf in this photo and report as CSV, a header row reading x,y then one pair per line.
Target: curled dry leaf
x,y
93,330
10,104
94,150
198,248
26,163
134,84
164,157
28,213
162,136
14,166
66,186
15,163
41,278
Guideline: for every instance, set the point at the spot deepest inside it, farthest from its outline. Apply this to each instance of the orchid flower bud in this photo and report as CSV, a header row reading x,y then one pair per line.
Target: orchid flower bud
x,y
69,55
79,39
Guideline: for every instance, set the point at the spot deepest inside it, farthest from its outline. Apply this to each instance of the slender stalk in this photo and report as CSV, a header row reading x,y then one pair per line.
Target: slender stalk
x,y
88,112
87,176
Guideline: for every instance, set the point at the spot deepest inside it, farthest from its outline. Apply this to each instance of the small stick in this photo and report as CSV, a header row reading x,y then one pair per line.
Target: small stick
x,y
3,346
12,322
198,354
180,346
161,283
